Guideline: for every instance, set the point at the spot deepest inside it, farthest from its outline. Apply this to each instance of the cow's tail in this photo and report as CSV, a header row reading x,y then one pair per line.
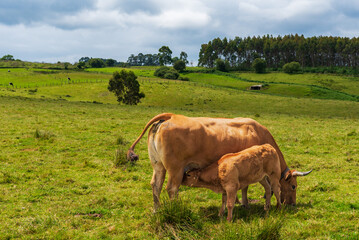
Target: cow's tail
x,y
131,155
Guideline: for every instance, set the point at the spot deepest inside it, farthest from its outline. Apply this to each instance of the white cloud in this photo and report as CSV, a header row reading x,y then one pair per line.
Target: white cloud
x,y
117,28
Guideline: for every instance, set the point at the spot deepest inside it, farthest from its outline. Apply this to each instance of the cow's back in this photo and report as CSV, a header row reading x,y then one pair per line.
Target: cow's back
x,y
184,142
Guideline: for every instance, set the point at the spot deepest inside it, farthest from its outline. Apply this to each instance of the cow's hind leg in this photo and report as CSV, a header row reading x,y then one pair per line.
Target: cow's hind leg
x,y
158,177
174,181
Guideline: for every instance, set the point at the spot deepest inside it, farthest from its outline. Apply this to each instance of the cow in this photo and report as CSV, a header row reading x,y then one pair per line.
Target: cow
x,y
177,143
236,171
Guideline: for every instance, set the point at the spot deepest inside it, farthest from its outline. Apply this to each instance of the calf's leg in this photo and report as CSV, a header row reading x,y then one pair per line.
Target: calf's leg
x,y
231,192
224,200
244,197
268,193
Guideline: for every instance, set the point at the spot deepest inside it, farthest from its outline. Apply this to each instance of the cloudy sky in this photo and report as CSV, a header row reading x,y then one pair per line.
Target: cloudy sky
x,y
66,30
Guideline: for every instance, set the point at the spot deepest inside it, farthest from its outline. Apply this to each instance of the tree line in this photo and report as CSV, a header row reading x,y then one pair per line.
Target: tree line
x,y
322,51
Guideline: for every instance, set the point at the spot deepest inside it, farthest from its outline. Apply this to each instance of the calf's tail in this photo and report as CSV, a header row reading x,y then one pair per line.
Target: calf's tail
x,y
131,155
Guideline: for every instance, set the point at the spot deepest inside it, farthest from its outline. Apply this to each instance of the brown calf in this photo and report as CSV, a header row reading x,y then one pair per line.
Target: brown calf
x,y
236,171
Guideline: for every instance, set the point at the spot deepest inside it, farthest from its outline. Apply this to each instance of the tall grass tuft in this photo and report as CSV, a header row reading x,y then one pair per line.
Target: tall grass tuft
x,y
43,135
176,220
255,229
120,157
121,141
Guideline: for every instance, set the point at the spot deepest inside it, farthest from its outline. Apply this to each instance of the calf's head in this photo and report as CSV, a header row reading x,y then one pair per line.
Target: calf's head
x,y
190,178
288,184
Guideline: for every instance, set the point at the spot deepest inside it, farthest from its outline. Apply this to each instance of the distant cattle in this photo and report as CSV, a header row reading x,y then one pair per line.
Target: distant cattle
x,y
11,84
256,87
236,171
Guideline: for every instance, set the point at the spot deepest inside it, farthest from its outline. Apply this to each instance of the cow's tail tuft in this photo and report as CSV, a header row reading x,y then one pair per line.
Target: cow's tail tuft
x,y
131,155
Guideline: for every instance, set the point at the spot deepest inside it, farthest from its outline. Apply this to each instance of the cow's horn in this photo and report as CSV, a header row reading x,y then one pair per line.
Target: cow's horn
x,y
297,173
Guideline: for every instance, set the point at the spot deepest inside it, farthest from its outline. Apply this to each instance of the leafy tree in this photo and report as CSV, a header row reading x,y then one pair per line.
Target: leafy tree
x,y
259,65
96,63
110,62
165,55
84,59
179,65
126,88
81,65
183,57
8,58
66,65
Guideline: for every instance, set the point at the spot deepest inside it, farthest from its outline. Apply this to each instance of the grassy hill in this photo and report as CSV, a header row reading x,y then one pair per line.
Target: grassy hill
x,y
59,177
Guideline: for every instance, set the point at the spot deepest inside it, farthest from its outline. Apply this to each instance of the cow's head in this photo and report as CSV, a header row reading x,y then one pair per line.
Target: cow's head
x,y
190,178
288,187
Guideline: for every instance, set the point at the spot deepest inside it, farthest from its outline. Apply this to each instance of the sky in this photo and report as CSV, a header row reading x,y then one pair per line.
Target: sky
x,y
66,30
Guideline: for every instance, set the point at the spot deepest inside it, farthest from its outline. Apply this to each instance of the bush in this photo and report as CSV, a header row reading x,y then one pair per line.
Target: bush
x,y
171,74
221,65
126,87
259,65
160,72
292,67
179,65
166,72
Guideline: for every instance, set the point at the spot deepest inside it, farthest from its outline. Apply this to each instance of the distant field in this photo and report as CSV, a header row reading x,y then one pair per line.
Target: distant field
x,y
59,180
32,78
346,84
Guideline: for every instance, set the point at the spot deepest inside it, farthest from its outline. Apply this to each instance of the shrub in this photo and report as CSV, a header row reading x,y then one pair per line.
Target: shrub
x,y
160,72
171,74
179,65
166,72
292,67
259,65
221,65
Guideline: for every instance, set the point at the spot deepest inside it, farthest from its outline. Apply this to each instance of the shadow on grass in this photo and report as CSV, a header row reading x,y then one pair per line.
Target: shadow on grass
x,y
256,210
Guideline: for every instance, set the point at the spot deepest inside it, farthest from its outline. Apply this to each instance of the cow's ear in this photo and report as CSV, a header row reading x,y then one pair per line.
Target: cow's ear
x,y
288,176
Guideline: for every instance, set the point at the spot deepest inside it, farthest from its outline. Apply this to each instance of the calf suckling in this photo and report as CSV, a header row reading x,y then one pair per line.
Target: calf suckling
x,y
236,171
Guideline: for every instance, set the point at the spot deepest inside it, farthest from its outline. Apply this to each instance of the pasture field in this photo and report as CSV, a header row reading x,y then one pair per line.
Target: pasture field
x,y
59,178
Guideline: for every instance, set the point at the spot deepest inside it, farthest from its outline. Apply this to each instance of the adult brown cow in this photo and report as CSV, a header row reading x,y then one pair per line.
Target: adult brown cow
x,y
177,143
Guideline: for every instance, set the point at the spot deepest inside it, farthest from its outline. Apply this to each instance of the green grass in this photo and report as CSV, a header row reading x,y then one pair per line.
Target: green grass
x,y
60,178
34,78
